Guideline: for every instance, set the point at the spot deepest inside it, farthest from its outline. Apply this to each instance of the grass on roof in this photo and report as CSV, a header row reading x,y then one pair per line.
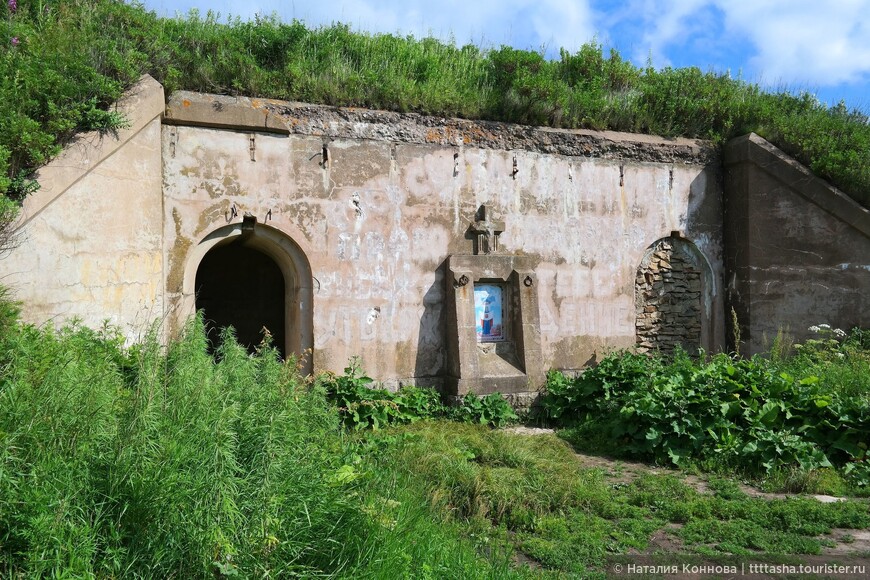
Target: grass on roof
x,y
63,63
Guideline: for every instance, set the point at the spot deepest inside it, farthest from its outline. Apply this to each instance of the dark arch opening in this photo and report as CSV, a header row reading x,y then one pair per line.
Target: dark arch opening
x,y
241,287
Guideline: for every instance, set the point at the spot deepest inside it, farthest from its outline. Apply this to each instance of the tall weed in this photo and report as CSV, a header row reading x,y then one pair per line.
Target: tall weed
x,y
168,461
162,463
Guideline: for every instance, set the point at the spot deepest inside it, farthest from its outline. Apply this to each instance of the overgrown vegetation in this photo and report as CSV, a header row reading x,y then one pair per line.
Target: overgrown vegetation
x,y
808,411
62,63
149,461
145,462
531,495
361,406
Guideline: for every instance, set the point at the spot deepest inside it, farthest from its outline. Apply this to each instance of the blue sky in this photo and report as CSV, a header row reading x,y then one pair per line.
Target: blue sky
x,y
818,46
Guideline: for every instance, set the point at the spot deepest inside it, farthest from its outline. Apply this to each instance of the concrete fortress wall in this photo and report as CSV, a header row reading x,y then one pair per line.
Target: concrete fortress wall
x,y
377,202
91,237
361,211
798,249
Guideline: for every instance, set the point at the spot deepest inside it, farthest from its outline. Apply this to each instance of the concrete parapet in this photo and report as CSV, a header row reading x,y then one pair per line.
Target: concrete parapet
x,y
797,249
249,114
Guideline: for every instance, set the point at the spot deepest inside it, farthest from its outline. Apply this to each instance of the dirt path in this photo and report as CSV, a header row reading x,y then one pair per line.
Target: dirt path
x,y
845,542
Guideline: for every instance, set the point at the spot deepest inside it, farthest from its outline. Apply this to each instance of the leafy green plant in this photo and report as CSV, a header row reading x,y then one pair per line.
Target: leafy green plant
x,y
490,409
743,413
839,359
361,406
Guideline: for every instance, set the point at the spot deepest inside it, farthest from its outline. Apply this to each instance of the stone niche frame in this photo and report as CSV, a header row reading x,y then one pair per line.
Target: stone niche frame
x,y
512,365
673,326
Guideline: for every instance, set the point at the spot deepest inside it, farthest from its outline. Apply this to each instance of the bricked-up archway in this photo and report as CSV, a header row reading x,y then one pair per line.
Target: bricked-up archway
x,y
672,289
241,287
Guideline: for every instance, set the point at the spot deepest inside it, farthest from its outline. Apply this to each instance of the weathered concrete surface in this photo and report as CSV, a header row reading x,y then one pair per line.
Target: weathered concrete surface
x,y
394,198
360,211
798,249
91,235
225,112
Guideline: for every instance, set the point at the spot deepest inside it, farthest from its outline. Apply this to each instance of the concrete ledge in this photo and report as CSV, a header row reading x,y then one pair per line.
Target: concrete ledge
x,y
765,156
224,112
141,104
246,114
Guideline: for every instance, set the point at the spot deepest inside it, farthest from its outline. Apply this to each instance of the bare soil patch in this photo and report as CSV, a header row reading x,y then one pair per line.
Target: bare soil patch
x,y
845,542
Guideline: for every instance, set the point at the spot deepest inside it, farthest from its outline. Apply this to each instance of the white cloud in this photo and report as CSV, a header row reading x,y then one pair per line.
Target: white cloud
x,y
663,22
563,23
792,41
805,41
521,23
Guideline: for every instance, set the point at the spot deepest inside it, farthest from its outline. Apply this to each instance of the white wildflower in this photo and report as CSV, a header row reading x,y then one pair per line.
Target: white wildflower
x,y
814,328
839,332
825,326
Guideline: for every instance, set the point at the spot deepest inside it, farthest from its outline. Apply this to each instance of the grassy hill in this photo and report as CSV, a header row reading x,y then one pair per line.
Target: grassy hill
x,y
63,63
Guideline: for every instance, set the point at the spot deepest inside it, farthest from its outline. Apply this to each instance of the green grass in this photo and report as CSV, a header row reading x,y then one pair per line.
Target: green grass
x,y
74,58
168,461
160,462
842,364
531,495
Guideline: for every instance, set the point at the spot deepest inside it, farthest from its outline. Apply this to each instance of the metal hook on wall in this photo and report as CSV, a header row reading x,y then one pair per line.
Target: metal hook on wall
x,y
231,214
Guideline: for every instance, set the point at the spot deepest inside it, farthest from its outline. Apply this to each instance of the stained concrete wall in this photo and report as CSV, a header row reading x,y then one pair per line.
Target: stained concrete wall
x,y
91,236
798,249
360,210
395,197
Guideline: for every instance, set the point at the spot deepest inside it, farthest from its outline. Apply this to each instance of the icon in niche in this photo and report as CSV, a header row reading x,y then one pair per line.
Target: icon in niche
x,y
488,312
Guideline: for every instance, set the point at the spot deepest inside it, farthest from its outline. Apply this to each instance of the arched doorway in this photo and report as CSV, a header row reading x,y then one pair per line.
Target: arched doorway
x,y
672,297
227,259
241,287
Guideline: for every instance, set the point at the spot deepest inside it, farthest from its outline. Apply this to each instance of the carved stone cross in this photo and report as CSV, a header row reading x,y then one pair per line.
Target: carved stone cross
x,y
486,231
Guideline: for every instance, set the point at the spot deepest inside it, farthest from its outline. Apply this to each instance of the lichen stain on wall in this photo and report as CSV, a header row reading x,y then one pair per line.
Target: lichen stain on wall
x,y
178,250
378,220
431,175
308,215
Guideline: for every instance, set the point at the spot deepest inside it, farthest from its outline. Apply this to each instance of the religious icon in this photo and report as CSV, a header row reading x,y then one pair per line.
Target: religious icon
x,y
488,312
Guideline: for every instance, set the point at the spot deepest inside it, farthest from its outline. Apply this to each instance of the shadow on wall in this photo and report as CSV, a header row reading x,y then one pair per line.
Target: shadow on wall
x,y
429,366
706,231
